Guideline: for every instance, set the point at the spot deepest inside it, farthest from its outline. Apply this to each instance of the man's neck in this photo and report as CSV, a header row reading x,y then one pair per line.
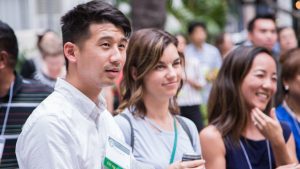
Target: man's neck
x,y
199,46
6,79
88,91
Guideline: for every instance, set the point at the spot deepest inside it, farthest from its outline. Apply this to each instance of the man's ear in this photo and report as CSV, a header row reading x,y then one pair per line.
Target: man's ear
x,y
134,73
4,60
71,52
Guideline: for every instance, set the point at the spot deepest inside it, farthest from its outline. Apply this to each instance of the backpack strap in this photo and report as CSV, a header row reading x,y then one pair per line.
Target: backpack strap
x,y
179,119
185,127
131,129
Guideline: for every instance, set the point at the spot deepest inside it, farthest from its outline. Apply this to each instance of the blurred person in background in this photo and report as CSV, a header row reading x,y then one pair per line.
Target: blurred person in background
x,y
243,129
287,39
224,43
50,65
148,119
207,54
262,33
53,61
289,110
189,98
18,97
182,42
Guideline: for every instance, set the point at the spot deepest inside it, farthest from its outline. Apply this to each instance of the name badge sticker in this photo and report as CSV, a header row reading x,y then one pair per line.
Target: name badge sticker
x,y
117,155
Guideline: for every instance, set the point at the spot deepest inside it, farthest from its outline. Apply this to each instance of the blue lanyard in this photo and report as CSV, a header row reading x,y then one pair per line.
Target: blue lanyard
x,y
175,142
7,108
247,158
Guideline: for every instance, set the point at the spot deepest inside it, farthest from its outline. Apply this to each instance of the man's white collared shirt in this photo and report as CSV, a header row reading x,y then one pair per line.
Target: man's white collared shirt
x,y
66,131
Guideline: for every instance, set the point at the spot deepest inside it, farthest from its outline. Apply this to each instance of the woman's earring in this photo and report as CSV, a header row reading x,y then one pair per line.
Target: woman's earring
x,y
286,87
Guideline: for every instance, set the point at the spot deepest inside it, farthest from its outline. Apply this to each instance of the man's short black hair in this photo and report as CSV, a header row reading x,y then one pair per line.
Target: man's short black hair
x,y
75,23
264,16
192,25
9,43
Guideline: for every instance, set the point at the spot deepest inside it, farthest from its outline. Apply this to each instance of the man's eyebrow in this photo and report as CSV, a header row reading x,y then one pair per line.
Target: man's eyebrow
x,y
124,39
177,59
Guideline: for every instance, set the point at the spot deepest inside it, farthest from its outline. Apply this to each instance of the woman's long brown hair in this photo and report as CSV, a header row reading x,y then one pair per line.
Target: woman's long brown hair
x,y
226,106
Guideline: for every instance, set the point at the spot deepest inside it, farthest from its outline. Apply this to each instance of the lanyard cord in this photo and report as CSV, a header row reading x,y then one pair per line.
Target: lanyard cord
x,y
247,158
175,143
7,108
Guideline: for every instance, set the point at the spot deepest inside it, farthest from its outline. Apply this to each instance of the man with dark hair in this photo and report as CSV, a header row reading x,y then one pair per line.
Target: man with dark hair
x,y
262,31
71,127
18,97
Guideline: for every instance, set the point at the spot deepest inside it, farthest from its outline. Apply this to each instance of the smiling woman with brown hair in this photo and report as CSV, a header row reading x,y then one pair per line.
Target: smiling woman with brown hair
x,y
152,78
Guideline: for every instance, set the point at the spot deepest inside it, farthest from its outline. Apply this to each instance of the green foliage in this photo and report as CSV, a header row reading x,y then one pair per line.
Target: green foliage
x,y
122,1
212,12
119,2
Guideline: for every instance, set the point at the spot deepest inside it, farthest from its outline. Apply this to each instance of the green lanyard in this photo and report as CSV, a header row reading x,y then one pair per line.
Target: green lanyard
x,y
175,143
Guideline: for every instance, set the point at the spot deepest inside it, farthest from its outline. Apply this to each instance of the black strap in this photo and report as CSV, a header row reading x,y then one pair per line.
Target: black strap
x,y
185,128
131,130
179,119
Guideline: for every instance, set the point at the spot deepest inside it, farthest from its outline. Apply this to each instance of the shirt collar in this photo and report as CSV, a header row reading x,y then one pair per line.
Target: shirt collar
x,y
195,49
79,100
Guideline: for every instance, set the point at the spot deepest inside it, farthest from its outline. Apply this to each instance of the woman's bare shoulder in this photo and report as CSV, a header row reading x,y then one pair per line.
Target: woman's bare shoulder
x,y
211,132
211,135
